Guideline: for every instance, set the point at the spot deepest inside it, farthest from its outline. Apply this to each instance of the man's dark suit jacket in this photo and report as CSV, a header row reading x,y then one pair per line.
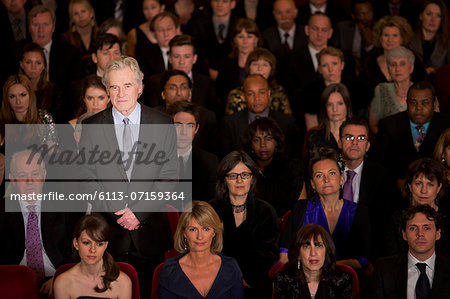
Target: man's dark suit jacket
x,y
133,16
395,147
274,42
336,13
65,65
410,10
391,275
56,229
151,62
264,15
154,237
233,126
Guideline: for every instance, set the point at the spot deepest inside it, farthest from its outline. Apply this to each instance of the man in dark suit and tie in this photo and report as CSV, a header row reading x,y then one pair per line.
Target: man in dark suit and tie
x,y
412,134
336,13
421,272
143,144
31,235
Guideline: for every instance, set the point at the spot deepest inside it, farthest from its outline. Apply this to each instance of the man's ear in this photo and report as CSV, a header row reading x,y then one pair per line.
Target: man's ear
x,y
306,30
94,58
404,235
195,59
163,96
438,234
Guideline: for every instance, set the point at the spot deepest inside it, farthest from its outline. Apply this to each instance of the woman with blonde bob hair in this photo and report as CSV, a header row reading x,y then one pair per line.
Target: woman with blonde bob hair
x,y
201,269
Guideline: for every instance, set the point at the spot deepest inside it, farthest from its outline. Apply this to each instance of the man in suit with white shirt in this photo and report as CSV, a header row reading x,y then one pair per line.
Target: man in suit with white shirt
x,y
421,272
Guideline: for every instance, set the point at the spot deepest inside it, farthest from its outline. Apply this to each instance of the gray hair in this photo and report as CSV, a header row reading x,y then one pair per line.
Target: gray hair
x,y
400,52
121,63
28,152
41,9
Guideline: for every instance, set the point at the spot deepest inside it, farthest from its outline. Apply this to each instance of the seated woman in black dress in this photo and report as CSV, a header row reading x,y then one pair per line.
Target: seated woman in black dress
x,y
96,275
346,222
281,177
201,271
311,271
250,224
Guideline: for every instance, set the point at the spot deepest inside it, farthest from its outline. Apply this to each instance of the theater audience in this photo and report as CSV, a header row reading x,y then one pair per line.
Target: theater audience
x,y
246,37
263,62
430,41
250,227
142,36
347,222
201,269
281,180
96,274
335,108
311,271
390,97
82,27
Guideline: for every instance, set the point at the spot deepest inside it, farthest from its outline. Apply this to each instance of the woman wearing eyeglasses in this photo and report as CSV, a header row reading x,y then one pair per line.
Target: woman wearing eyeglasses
x,y
250,228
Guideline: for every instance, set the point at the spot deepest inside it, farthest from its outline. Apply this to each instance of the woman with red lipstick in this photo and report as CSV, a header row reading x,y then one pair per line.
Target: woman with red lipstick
x,y
311,271
96,275
344,220
250,224
201,271
431,42
281,177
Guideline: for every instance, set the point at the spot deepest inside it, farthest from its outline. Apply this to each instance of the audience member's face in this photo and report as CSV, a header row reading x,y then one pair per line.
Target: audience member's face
x,y
431,18
330,67
312,255
336,109
245,42
182,58
354,150
123,90
15,7
263,144
390,38
186,128
447,155
420,106
32,65
400,69
421,235
26,176
326,179
423,190
19,99
104,55
318,3
319,31
257,94
285,13
150,8
90,251
261,67
239,186
81,15
199,238
222,8
176,89
364,13
165,30
42,28
95,99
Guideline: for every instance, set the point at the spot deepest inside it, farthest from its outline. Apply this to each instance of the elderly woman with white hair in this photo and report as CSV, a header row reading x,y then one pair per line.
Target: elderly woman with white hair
x,y
390,97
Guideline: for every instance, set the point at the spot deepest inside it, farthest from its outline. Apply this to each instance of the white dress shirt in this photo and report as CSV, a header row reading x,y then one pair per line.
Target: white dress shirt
x,y
291,33
313,52
413,273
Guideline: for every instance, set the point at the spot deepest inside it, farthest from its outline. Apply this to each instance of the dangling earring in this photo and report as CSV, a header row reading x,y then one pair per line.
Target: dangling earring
x,y
443,161
299,264
185,247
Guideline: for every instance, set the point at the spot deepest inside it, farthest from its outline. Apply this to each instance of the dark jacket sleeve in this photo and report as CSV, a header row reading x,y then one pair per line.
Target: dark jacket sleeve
x,y
294,223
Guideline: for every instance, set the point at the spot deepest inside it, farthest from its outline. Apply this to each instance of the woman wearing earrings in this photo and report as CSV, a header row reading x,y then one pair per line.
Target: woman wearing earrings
x,y
201,271
83,27
344,220
311,271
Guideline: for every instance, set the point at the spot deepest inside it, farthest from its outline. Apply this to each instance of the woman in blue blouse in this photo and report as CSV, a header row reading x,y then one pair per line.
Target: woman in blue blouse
x,y
347,222
201,272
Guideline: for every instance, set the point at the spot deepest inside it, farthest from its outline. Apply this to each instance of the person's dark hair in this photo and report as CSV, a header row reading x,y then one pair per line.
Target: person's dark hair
x,y
422,85
427,210
88,82
164,14
105,39
183,40
263,124
428,167
323,153
355,120
304,236
324,121
170,73
98,230
113,23
250,27
355,2
227,164
442,33
185,106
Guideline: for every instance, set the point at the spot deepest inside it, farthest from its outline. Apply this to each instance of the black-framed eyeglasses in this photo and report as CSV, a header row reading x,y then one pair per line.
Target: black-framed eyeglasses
x,y
233,176
359,138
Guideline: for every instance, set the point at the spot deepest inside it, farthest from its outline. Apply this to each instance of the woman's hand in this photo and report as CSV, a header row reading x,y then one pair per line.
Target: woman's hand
x,y
47,288
284,257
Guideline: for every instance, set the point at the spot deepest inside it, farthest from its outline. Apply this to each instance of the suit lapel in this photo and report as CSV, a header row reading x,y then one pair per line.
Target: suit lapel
x,y
401,280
